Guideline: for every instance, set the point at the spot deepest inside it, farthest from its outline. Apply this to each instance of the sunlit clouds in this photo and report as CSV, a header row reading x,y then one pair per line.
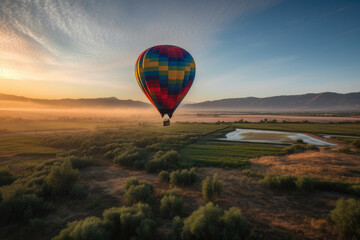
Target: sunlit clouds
x,y
87,48
97,42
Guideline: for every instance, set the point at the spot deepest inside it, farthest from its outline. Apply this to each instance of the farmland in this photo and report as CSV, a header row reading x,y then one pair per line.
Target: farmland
x,y
105,154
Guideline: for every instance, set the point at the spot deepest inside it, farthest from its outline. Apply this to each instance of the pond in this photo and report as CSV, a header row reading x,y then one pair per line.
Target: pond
x,y
279,137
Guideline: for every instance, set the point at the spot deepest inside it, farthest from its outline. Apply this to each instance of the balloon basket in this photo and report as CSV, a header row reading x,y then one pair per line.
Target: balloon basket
x,y
166,122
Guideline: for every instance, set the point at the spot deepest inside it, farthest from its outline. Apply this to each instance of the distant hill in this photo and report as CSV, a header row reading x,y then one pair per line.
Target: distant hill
x,y
326,101
307,102
111,102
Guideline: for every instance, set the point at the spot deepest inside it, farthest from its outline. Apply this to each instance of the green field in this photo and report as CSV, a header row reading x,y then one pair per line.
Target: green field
x,y
225,155
24,146
57,125
193,128
319,128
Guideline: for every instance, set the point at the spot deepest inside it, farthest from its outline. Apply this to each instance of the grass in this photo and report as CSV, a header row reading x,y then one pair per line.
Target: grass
x,y
23,145
54,125
194,128
346,140
225,155
319,128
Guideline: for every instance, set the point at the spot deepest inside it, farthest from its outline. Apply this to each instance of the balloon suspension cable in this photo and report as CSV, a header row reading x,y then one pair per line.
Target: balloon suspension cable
x,y
166,120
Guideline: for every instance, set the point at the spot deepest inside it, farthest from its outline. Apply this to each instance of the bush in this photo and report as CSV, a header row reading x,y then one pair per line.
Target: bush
x,y
164,176
212,222
299,141
138,191
345,149
356,143
176,228
21,208
77,162
61,179
6,178
171,204
295,148
130,222
280,182
77,191
157,165
235,225
163,160
251,173
346,217
184,177
305,183
74,152
353,189
312,148
211,187
89,228
128,157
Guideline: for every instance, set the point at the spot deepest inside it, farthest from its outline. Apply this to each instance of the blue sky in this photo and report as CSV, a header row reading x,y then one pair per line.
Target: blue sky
x,y
81,48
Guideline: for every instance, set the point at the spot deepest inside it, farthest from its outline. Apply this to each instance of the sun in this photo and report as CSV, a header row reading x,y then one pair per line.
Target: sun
x,y
9,74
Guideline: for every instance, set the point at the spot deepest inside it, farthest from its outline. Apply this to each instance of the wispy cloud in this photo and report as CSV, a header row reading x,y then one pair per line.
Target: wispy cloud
x,y
88,41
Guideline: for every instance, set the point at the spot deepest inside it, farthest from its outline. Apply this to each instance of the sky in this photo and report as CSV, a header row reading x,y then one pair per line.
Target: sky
x,y
88,48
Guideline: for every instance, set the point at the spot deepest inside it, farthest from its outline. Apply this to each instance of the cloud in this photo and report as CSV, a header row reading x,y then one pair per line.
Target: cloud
x,y
97,42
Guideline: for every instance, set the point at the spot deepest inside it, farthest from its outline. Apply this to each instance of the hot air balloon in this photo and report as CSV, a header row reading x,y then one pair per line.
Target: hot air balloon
x,y
165,74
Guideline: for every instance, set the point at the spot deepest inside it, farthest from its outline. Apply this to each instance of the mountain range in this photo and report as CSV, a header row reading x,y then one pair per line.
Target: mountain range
x,y
305,102
111,102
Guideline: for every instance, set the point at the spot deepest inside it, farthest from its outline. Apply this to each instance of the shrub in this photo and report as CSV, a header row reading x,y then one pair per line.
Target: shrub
x,y
156,165
61,179
346,217
128,157
211,187
109,154
176,228
6,178
21,208
280,182
89,228
353,189
305,183
77,162
299,141
171,204
345,149
164,176
183,178
356,143
163,160
138,191
295,148
74,152
212,222
251,173
93,150
235,225
312,148
77,191
130,222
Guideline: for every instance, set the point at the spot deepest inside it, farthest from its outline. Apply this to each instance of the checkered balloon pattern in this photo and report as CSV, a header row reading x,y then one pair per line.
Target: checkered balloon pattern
x,y
165,74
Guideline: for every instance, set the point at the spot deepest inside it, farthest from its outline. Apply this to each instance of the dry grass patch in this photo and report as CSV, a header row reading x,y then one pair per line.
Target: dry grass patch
x,y
322,165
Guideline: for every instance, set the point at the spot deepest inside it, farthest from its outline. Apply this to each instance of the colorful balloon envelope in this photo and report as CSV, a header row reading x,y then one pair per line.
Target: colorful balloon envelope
x,y
165,74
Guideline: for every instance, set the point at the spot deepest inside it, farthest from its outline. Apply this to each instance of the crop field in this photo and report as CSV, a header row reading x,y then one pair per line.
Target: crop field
x,y
225,155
